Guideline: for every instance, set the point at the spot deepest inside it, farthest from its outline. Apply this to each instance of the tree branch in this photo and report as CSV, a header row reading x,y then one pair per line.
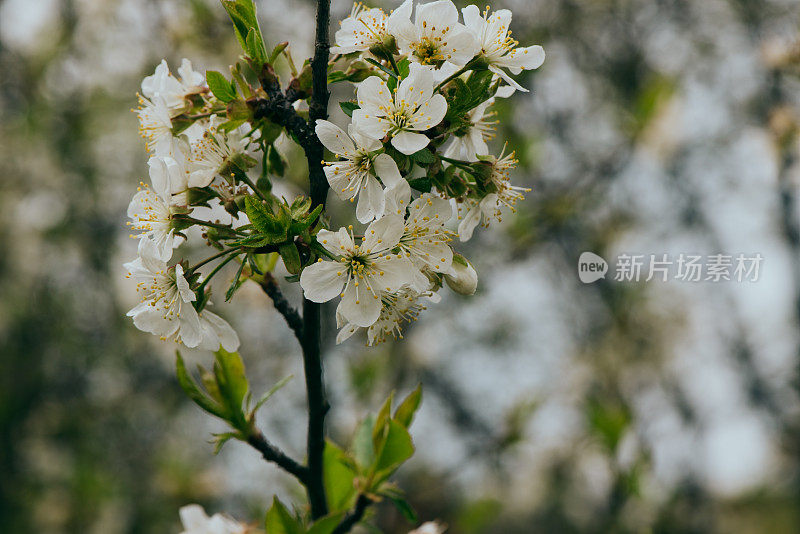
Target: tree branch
x,y
270,286
318,189
273,454
353,516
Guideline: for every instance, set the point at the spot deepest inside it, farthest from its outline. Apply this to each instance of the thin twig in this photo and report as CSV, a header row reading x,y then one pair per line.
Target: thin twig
x,y
353,516
293,319
273,454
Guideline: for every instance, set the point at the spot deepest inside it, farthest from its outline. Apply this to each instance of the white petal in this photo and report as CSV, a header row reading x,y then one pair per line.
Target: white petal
x,y
334,138
410,142
322,281
373,94
468,223
473,19
370,201
224,332
359,304
191,331
387,171
183,286
336,243
388,230
511,81
370,124
345,333
397,272
397,198
434,110
440,14
193,517
528,58
462,46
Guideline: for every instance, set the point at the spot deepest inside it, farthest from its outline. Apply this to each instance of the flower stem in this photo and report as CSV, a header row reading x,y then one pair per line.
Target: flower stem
x,y
216,269
211,258
452,77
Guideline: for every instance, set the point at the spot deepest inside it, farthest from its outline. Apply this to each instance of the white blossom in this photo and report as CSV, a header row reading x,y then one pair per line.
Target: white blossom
x,y
470,142
215,150
497,47
166,308
365,29
155,126
364,271
400,114
358,172
162,84
425,238
472,212
431,527
195,521
435,36
400,307
151,209
462,277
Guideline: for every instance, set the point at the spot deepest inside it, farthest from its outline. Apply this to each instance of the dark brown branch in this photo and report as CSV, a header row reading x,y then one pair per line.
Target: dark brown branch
x,y
318,189
273,454
293,319
353,516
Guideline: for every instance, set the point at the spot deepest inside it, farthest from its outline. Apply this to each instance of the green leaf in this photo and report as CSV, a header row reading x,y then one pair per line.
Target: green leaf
x,y
362,443
327,524
280,521
424,156
300,206
220,86
276,163
193,391
339,477
396,449
263,220
255,47
265,397
290,257
221,439
349,107
405,509
232,383
405,412
379,431
421,184
235,283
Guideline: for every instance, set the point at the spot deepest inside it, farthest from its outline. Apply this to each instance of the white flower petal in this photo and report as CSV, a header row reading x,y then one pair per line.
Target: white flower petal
x,y
359,304
383,234
334,138
410,142
322,281
370,201
387,171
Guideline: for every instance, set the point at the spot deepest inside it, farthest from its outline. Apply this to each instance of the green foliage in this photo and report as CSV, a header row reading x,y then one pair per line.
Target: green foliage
x,y
227,394
280,521
380,445
248,32
349,107
223,89
463,96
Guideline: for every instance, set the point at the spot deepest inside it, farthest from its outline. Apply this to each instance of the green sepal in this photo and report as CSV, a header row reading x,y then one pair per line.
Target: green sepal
x,y
290,256
404,414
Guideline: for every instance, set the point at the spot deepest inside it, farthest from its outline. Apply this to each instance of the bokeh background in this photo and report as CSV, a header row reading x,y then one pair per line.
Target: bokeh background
x,y
654,126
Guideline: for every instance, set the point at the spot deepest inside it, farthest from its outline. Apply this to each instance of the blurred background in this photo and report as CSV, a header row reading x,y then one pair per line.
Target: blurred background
x,y
654,126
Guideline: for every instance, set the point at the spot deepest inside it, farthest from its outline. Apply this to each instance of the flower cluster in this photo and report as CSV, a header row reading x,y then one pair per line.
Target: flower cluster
x,y
414,160
420,121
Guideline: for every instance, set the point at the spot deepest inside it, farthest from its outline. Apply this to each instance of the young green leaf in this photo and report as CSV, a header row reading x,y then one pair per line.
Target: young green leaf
x,y
235,283
280,521
396,449
290,257
405,412
232,383
362,443
189,386
265,397
220,86
327,524
338,477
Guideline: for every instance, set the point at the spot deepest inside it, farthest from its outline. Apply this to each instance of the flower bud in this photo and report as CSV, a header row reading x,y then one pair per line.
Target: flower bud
x,y
462,278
